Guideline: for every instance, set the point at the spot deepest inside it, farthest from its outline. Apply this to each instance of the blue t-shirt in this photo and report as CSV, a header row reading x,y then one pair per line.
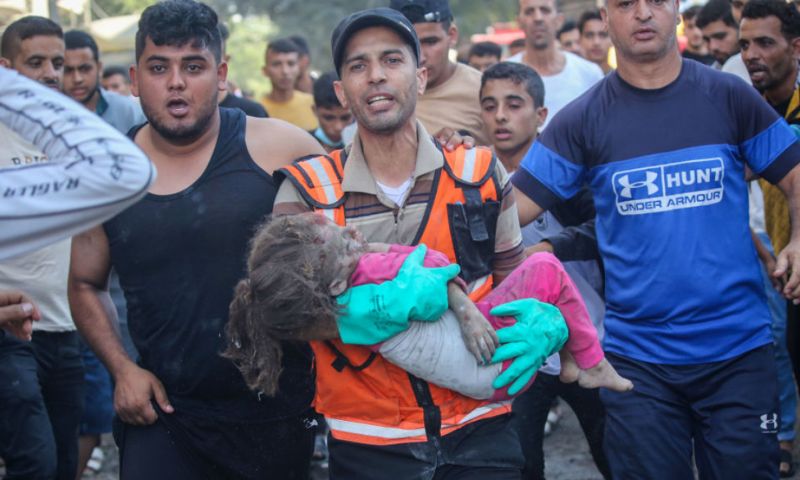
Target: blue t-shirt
x,y
666,168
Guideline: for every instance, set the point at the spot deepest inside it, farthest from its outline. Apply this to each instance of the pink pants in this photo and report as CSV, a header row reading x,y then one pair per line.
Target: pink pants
x,y
542,277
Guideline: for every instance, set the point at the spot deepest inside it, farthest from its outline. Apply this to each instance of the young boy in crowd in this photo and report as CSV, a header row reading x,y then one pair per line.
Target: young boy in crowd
x,y
512,107
332,117
299,264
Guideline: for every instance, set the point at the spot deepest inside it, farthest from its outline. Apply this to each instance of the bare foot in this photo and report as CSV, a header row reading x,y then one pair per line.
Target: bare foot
x,y
604,375
569,369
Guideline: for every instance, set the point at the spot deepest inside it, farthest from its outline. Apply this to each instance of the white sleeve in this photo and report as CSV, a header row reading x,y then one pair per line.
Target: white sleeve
x,y
435,352
93,172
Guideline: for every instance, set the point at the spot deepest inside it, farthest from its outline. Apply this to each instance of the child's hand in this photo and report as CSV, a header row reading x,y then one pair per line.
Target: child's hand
x,y
478,334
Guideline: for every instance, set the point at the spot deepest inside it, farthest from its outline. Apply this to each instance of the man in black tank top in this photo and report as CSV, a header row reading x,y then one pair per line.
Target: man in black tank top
x,y
183,411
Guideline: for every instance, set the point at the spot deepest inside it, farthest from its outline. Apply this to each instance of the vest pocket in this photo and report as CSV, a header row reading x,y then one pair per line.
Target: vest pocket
x,y
472,228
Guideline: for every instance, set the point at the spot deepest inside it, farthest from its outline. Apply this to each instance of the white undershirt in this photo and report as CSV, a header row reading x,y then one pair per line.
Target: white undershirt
x,y
396,194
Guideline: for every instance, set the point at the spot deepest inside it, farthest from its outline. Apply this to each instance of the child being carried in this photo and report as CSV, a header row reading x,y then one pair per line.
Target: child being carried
x,y
299,264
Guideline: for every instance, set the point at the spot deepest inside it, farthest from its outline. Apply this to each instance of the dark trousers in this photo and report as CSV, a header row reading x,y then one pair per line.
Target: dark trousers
x,y
530,416
486,450
178,447
727,411
40,411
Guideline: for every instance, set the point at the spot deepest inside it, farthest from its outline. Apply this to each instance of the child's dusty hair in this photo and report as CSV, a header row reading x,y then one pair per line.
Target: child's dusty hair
x,y
284,295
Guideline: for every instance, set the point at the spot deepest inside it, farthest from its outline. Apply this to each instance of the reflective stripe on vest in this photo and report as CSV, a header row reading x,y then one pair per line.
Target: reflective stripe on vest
x,y
353,430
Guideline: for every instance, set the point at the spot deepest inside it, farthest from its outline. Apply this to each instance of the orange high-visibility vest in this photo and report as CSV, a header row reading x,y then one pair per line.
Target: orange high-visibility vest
x,y
364,398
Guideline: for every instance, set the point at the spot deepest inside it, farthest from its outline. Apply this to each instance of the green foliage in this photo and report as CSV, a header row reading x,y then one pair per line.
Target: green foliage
x,y
122,7
246,47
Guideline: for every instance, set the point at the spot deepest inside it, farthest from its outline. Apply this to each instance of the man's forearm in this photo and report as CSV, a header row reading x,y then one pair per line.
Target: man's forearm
x,y
95,318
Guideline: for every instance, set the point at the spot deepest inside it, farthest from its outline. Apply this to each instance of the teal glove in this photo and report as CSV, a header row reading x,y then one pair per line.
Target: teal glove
x,y
539,332
796,130
371,314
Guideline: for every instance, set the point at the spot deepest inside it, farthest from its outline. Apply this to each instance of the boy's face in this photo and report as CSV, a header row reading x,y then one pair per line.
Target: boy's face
x,y
332,120
282,69
509,115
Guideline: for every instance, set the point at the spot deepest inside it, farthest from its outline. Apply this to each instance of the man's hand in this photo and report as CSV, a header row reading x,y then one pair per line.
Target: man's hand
x,y
539,332
787,269
450,139
372,314
17,314
135,389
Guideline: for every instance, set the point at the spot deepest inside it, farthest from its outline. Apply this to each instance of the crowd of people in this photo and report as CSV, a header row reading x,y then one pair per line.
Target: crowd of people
x,y
397,267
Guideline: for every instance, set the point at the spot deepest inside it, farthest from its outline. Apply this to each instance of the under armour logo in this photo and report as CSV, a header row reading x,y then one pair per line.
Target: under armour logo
x,y
769,422
649,182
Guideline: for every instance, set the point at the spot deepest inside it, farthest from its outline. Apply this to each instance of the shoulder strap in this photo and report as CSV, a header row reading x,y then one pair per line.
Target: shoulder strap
x,y
318,179
470,167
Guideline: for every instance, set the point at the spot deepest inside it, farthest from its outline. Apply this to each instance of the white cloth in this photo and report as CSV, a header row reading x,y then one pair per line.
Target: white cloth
x,y
577,76
93,171
436,353
396,194
735,65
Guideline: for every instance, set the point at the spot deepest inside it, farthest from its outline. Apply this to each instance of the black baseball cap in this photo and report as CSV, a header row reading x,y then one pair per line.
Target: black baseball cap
x,y
423,11
374,17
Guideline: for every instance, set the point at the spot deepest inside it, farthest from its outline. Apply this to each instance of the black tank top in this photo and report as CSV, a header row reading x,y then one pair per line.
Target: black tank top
x,y
179,258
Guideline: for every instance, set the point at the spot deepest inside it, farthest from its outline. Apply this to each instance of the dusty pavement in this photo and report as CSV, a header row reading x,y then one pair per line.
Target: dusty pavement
x,y
566,455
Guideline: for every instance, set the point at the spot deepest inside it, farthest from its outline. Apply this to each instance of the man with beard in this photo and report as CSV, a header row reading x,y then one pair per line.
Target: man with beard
x,y
770,40
686,317
183,411
399,186
82,69
720,31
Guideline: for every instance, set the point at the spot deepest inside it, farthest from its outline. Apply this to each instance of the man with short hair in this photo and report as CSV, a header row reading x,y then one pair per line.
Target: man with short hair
x,y
285,102
686,318
386,423
569,37
226,97
769,37
82,69
185,412
450,97
117,80
565,75
595,43
483,55
720,31
696,48
43,411
512,99
331,115
305,81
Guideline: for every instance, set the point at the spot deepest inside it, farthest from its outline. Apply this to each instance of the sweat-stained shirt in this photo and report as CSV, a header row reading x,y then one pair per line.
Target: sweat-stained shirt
x,y
666,169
